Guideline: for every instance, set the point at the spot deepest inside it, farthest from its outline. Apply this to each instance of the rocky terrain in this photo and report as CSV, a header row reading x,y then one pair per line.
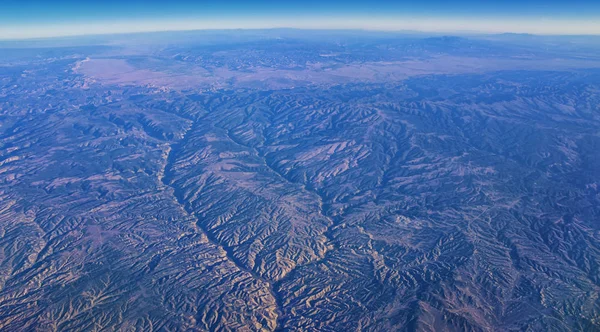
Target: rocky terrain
x,y
291,181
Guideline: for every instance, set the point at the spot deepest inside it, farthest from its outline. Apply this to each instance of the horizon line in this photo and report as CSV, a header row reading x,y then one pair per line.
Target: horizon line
x,y
539,27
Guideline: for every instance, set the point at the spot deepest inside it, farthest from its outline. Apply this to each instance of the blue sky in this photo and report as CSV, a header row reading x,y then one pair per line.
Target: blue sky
x,y
25,17
59,10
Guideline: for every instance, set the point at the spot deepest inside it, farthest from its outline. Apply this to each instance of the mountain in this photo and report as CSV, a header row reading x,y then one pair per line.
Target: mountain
x,y
275,180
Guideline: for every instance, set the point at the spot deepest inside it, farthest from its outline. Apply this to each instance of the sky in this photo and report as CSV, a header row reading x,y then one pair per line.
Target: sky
x,y
48,18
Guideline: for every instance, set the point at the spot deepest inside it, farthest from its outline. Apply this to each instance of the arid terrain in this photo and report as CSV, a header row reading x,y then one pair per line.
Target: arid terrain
x,y
300,181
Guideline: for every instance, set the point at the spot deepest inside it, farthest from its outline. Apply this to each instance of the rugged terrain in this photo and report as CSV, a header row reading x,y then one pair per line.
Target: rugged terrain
x,y
282,180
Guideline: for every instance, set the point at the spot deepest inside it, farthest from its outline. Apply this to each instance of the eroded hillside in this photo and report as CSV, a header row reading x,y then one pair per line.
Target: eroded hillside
x,y
430,200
